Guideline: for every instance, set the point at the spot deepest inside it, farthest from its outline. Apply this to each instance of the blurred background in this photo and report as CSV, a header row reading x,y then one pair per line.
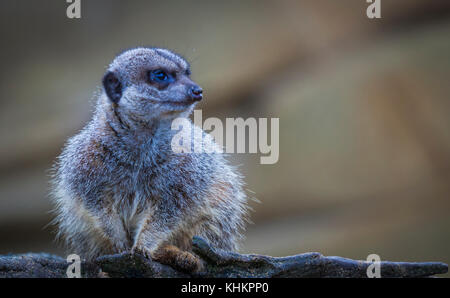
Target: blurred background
x,y
363,104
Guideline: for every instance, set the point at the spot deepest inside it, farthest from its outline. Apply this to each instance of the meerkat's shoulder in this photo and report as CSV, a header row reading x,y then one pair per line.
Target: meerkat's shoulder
x,y
82,151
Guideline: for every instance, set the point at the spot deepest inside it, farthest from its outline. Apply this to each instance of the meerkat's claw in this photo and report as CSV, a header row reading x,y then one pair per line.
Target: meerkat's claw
x,y
179,259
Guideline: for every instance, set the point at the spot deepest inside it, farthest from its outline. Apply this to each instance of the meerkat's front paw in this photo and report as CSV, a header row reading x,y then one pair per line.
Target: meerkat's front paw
x,y
179,259
142,251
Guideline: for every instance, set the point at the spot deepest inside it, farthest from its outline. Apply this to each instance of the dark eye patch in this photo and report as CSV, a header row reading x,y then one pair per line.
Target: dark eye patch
x,y
160,76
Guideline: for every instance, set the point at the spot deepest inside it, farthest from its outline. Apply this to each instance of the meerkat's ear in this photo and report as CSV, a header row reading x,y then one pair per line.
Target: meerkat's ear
x,y
113,86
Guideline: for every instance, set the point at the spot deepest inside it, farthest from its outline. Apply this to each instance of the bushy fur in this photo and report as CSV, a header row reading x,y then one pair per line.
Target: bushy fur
x,y
118,185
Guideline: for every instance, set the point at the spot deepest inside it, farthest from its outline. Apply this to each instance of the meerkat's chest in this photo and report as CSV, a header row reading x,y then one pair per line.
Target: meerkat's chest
x,y
141,190
166,182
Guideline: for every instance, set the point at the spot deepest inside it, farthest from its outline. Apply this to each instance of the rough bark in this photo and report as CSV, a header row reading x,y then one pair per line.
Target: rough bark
x,y
218,263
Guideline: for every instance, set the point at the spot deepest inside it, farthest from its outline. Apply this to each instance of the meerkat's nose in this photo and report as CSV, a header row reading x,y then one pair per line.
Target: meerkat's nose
x,y
196,93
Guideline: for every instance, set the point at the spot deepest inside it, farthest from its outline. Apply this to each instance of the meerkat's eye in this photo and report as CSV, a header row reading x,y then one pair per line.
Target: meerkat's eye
x,y
160,76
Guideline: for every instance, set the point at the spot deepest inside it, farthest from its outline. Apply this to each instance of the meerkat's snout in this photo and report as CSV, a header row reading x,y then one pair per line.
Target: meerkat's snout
x,y
196,93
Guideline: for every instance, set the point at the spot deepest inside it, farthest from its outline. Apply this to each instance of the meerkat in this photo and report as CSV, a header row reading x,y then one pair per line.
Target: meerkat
x,y
119,187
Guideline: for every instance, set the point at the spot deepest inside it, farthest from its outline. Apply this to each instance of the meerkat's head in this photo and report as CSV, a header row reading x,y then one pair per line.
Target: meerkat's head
x,y
149,83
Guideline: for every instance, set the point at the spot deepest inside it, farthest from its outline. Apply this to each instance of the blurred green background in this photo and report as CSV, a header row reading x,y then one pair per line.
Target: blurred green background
x,y
364,110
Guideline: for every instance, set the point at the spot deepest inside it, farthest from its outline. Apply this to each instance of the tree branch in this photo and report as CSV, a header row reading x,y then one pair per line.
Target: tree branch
x,y
218,263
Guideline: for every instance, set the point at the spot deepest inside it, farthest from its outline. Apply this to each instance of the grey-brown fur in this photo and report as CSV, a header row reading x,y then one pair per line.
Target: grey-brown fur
x,y
118,186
